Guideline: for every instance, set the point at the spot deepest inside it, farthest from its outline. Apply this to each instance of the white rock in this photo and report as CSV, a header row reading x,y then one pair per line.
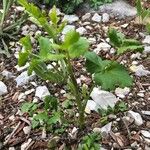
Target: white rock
x,y
105,17
146,40
22,68
97,130
103,46
71,18
124,25
92,40
140,94
23,78
81,30
145,133
106,129
118,8
21,96
139,70
67,28
122,92
3,88
136,116
103,98
147,49
43,136
25,28
11,148
25,145
136,56
19,8
41,92
29,91
91,105
97,18
146,112
86,16
33,27
7,74
27,130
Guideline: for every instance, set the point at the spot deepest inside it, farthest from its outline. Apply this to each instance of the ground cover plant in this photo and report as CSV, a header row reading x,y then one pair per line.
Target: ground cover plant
x,y
107,73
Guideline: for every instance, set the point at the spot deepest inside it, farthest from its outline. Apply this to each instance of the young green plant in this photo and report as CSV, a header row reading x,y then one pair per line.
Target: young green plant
x,y
106,73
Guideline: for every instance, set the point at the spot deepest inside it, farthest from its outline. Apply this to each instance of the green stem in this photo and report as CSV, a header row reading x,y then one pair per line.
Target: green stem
x,y
78,98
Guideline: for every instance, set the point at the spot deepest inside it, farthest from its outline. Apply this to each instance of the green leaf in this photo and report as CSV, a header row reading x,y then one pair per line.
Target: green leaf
x,y
43,116
53,15
26,42
79,48
45,46
139,7
123,49
71,38
23,58
93,62
115,37
27,107
55,118
114,75
41,70
50,102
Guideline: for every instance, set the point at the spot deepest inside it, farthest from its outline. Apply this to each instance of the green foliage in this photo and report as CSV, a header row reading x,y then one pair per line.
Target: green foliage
x,y
123,44
8,30
141,11
108,74
43,118
90,142
29,108
96,3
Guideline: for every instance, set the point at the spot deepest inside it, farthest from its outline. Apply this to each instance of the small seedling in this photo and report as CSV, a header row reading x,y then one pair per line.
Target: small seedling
x,y
90,142
108,74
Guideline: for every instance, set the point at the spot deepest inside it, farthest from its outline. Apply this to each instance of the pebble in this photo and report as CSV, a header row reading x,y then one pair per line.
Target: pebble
x,y
71,18
146,40
97,18
140,94
3,88
91,105
41,92
105,17
27,130
25,144
11,148
97,130
21,97
136,116
86,16
7,74
81,30
102,46
23,78
147,49
139,70
106,129
122,92
103,98
145,133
